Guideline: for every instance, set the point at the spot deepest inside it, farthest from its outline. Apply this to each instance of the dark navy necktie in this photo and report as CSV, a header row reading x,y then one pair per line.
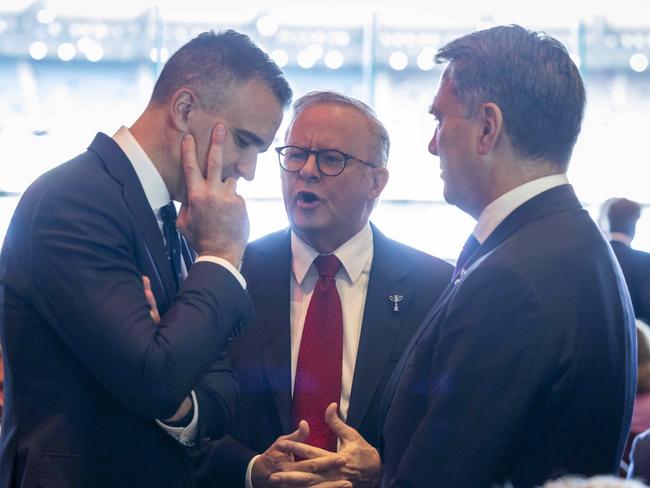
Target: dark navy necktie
x,y
469,248
172,240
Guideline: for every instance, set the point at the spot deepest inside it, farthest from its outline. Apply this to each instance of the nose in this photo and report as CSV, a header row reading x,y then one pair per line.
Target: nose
x,y
246,167
433,144
310,168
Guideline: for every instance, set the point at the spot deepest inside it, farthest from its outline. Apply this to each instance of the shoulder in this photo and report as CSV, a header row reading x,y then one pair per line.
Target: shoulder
x,y
421,262
266,254
269,244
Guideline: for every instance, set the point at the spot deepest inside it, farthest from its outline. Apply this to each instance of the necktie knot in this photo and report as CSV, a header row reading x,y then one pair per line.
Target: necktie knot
x,y
469,248
168,214
327,265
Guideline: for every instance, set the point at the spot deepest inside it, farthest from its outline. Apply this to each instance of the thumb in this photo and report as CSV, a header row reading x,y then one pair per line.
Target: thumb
x,y
336,425
300,434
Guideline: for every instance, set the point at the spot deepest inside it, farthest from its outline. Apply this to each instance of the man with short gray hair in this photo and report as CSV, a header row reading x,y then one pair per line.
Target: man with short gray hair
x,y
322,335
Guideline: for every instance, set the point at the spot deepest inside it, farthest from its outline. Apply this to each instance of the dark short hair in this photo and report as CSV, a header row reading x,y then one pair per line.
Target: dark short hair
x,y
324,97
622,215
532,79
211,62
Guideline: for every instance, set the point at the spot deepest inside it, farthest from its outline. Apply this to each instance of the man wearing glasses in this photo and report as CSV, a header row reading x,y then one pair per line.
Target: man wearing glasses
x,y
336,300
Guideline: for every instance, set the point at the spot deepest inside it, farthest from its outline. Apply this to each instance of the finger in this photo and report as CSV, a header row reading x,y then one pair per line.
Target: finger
x,y
300,434
320,464
333,484
215,155
151,299
191,168
340,428
295,478
299,449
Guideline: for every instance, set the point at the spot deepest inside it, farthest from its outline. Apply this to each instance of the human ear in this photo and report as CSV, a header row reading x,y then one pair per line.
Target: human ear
x,y
490,118
379,180
183,101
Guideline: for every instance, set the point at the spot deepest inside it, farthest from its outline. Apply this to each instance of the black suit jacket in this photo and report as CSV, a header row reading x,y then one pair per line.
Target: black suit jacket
x,y
88,370
261,356
636,269
526,368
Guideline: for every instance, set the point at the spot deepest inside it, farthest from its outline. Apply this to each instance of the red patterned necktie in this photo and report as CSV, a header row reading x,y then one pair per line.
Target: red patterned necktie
x,y
318,373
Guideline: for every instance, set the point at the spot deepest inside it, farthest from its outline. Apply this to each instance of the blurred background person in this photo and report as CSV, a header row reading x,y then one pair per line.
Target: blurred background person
x,y
622,217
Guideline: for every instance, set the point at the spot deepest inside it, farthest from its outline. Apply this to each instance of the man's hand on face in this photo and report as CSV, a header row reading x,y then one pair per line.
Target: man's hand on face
x,y
324,469
274,460
214,219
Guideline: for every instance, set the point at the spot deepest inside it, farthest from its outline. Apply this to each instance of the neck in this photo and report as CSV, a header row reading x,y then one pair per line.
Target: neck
x,y
156,139
510,175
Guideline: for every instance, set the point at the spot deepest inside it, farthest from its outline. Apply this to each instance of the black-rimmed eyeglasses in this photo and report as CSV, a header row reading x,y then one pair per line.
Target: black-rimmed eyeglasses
x,y
330,162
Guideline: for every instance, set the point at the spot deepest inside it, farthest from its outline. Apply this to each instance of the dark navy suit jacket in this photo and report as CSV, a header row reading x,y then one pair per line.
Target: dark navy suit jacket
x,y
262,357
636,269
88,370
525,370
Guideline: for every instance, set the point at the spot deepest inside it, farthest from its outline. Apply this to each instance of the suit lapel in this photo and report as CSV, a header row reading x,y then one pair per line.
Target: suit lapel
x,y
275,301
557,199
380,325
120,168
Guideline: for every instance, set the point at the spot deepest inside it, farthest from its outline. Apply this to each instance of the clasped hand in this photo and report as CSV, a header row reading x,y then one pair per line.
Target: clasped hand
x,y
356,464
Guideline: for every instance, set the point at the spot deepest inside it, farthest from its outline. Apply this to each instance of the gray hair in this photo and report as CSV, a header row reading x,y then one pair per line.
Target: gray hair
x,y
532,79
324,97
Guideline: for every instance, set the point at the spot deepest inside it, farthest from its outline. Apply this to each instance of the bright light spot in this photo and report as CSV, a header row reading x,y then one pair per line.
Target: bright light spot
x,y
639,62
54,29
94,53
66,51
154,54
576,59
164,54
425,58
101,30
266,25
398,60
343,38
85,43
334,59
315,51
305,59
45,15
38,50
280,57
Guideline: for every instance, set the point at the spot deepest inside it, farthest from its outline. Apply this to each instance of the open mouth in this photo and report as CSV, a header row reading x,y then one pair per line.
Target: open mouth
x,y
307,199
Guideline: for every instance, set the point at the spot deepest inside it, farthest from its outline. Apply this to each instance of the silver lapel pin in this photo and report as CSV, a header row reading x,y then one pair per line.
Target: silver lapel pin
x,y
395,299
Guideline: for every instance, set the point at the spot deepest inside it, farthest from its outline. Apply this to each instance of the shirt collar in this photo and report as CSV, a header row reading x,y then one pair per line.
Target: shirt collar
x,y
354,255
499,209
154,187
620,237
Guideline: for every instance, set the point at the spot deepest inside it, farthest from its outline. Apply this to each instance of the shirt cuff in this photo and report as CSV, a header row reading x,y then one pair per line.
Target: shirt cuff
x,y
185,435
226,264
249,472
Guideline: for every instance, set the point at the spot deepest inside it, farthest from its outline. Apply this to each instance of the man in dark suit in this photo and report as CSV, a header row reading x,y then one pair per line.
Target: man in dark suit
x,y
622,216
334,169
525,368
88,368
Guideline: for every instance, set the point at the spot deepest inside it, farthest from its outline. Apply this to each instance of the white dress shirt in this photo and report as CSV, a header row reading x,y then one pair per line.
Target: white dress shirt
x,y
352,284
158,196
499,209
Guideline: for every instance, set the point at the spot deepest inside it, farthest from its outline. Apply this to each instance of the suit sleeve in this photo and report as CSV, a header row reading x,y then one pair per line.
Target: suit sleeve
x,y
87,284
482,369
